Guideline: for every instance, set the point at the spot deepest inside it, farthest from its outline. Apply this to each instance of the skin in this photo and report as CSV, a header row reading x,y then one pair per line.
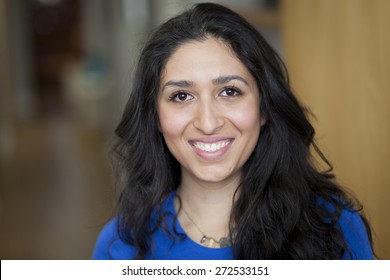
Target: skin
x,y
208,107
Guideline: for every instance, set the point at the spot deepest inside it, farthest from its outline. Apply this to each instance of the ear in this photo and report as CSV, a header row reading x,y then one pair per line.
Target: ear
x,y
263,121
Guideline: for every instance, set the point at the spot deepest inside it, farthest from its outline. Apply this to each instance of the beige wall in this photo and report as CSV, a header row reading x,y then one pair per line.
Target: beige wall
x,y
338,55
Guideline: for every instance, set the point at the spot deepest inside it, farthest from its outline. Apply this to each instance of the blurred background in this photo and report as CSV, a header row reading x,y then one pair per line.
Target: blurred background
x,y
65,74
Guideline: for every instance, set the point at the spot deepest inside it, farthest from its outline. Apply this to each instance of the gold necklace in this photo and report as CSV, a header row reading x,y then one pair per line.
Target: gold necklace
x,y
210,241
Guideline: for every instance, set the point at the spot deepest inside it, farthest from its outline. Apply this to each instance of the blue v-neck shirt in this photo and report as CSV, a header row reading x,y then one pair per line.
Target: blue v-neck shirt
x,y
109,246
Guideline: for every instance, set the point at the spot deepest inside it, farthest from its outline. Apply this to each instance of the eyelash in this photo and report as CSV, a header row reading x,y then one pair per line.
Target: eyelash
x,y
237,91
175,95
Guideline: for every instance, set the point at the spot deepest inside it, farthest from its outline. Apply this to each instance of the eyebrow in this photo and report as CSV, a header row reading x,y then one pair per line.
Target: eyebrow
x,y
181,83
225,79
217,81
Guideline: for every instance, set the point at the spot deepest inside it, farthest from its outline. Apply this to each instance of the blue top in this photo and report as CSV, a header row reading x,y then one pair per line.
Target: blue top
x,y
109,246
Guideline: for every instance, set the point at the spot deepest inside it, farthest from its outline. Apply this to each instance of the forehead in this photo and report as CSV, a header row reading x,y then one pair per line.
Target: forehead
x,y
203,59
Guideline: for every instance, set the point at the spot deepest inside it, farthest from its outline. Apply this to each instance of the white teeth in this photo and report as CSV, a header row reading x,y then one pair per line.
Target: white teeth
x,y
211,147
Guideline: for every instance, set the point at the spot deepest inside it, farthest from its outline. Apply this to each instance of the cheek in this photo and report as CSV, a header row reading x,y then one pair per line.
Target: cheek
x,y
247,118
172,123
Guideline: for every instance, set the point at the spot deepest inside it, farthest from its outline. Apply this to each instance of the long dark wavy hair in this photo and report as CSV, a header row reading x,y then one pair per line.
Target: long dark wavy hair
x,y
282,210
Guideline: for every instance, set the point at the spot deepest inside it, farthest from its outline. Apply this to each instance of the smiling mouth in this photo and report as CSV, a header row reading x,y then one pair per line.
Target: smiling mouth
x,y
211,147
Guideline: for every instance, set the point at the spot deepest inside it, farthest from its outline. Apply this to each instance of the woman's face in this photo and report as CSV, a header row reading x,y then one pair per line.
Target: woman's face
x,y
208,107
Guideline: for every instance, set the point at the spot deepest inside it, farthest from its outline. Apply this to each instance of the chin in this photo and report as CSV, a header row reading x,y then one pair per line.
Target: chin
x,y
213,177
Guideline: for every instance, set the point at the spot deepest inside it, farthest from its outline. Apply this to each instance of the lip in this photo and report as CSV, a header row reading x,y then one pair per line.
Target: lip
x,y
226,142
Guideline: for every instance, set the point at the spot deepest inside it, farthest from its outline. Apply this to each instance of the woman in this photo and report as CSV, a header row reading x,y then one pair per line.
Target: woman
x,y
214,155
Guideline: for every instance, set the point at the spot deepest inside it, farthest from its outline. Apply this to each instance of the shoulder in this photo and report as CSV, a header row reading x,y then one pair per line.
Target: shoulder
x,y
355,235
109,246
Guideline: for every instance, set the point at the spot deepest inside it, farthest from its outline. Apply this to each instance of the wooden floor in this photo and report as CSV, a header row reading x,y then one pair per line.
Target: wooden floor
x,y
55,191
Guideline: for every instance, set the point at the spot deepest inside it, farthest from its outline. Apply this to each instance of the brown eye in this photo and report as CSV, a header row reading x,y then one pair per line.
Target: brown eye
x,y
231,92
181,97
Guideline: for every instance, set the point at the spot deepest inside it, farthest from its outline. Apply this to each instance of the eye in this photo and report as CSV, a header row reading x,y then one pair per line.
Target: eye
x,y
181,96
231,92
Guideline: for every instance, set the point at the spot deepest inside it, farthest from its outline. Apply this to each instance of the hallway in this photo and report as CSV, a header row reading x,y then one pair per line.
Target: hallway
x,y
55,191
66,72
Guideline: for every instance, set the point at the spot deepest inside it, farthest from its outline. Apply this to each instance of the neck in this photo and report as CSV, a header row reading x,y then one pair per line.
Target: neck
x,y
209,206
199,196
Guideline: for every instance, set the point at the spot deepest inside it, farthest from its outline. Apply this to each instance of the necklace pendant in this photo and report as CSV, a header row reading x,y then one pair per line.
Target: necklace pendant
x,y
203,239
211,243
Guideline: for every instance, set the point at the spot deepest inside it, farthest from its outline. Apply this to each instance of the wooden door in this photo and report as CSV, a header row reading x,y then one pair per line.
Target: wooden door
x,y
338,54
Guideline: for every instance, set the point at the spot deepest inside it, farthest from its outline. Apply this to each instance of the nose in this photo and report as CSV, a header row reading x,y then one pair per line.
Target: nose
x,y
208,118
